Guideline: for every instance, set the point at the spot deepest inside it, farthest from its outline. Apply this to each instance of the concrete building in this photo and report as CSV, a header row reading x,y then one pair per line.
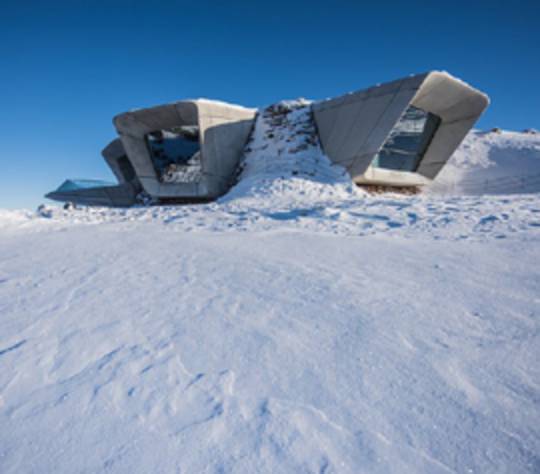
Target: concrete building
x,y
396,134
401,133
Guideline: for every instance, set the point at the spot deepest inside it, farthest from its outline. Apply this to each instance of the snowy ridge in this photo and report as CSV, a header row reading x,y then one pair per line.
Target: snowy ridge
x,y
284,164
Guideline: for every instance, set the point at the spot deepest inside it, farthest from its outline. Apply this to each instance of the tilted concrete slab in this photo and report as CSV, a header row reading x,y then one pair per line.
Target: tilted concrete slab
x,y
223,132
116,157
354,127
112,153
458,105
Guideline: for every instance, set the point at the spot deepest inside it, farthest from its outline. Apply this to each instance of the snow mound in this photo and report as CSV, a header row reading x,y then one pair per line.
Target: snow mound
x,y
495,162
15,217
413,217
284,164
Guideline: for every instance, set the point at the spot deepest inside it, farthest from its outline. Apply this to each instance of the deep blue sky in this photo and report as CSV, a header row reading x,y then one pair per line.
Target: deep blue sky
x,y
67,68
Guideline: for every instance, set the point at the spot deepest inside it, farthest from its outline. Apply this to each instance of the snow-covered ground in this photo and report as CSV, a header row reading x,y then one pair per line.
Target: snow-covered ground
x,y
494,162
297,325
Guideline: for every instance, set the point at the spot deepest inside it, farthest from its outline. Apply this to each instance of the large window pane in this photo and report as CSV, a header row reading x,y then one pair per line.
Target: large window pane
x,y
176,154
408,141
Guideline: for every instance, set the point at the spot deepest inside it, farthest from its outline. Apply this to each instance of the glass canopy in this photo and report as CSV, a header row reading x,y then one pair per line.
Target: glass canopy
x,y
76,184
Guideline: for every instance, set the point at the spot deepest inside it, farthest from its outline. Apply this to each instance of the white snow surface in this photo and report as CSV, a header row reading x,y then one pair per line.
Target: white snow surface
x,y
298,325
494,162
284,164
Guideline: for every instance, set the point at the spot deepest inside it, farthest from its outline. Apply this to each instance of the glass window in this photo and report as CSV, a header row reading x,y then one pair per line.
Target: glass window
x,y
77,184
176,154
408,141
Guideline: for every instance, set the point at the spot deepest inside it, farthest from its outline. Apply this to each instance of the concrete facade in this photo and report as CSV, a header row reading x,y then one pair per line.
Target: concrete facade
x,y
223,132
355,131
116,157
353,128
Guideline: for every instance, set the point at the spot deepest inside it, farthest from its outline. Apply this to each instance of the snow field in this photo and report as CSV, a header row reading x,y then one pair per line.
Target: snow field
x,y
282,351
298,324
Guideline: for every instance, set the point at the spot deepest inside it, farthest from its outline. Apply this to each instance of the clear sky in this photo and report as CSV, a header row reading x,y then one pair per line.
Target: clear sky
x,y
67,67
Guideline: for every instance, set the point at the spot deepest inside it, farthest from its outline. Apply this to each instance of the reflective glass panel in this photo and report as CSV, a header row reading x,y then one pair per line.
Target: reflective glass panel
x,y
76,184
408,141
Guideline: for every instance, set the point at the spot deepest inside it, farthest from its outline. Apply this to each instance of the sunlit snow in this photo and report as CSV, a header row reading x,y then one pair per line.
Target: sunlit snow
x,y
299,324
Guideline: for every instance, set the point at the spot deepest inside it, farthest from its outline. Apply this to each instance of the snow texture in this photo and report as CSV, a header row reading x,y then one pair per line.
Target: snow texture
x,y
495,162
284,164
299,325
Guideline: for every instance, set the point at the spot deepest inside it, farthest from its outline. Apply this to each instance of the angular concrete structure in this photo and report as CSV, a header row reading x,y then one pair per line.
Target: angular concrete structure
x,y
98,193
220,130
400,133
116,157
396,134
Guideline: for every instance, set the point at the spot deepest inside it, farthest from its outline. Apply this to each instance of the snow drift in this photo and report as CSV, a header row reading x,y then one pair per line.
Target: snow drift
x,y
297,325
284,164
495,162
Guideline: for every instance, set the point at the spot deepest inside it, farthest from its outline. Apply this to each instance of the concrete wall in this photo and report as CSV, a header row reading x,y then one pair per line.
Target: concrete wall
x,y
223,130
133,127
354,127
458,105
112,153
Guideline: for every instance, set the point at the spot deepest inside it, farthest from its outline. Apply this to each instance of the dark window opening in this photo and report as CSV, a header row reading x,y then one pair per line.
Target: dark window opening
x,y
176,154
408,141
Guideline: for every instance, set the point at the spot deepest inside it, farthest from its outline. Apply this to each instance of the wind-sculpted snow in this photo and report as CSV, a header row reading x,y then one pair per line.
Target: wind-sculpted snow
x,y
431,217
125,347
297,325
491,163
284,164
